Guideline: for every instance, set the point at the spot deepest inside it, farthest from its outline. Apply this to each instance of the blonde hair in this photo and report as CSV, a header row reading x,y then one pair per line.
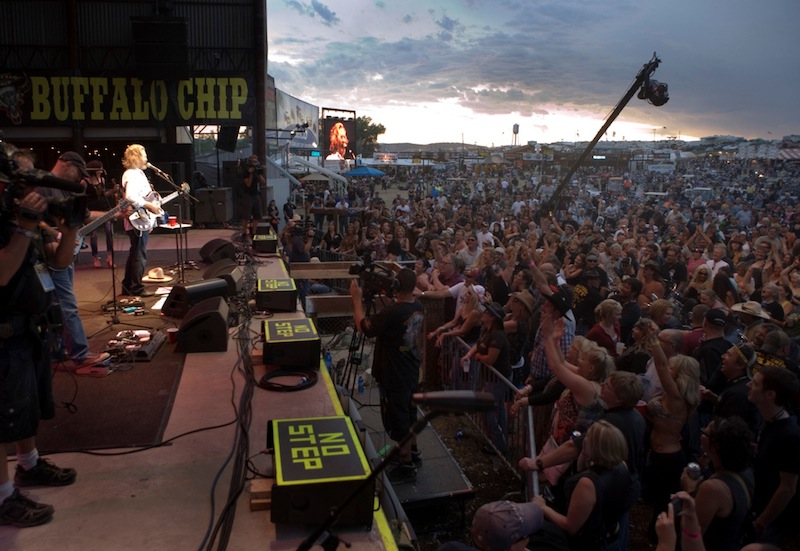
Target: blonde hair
x,y
606,445
606,308
601,360
687,377
134,157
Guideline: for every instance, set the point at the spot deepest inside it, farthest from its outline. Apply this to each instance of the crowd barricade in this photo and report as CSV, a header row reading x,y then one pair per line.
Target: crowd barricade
x,y
477,376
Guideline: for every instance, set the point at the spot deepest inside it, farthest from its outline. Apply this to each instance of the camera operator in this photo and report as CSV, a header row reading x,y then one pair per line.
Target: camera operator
x,y
71,166
399,338
252,181
26,292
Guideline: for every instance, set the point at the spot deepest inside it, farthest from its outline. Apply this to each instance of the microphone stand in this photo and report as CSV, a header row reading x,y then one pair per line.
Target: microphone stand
x,y
183,195
331,541
441,403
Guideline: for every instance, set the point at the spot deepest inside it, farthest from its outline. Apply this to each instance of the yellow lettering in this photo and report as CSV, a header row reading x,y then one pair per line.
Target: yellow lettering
x,y
310,464
205,97
40,96
328,451
99,88
185,107
303,452
311,439
331,437
158,100
119,102
300,429
60,98
222,86
140,107
238,97
80,87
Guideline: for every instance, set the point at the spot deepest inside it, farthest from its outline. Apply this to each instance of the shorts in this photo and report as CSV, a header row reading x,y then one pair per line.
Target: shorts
x,y
251,207
26,392
398,413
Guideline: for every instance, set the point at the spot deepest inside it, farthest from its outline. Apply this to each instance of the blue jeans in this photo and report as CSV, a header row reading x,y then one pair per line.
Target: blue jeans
x,y
137,260
74,335
497,419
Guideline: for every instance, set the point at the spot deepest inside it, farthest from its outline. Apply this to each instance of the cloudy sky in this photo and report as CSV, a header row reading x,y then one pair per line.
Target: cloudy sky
x,y
468,70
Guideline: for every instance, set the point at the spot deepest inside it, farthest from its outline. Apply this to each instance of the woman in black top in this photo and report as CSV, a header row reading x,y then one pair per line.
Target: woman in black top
x,y
722,500
492,349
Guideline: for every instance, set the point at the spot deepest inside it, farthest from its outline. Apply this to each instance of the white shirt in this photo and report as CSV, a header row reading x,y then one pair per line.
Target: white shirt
x,y
137,189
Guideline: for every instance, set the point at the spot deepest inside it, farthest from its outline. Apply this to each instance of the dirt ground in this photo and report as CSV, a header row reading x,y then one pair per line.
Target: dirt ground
x,y
492,481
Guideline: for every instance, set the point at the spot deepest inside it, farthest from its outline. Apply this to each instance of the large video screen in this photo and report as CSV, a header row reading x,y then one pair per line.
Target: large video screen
x,y
338,139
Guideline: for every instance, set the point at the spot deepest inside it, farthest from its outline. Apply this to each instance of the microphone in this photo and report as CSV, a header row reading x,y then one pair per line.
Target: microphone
x,y
156,169
455,400
42,178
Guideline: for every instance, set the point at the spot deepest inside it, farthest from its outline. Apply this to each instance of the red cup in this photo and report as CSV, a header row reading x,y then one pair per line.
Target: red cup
x,y
173,220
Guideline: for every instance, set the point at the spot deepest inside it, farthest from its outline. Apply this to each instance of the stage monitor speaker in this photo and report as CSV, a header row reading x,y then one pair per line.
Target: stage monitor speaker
x,y
217,249
182,297
218,267
227,138
230,273
205,327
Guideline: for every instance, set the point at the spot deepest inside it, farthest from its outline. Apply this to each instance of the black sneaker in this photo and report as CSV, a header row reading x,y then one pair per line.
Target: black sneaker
x,y
44,474
416,458
402,473
17,510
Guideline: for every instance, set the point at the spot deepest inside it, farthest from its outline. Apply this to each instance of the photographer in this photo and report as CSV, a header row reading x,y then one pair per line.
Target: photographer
x,y
399,338
253,180
26,292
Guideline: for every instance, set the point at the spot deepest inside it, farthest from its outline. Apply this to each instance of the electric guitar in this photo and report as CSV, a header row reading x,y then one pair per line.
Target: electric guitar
x,y
142,219
90,227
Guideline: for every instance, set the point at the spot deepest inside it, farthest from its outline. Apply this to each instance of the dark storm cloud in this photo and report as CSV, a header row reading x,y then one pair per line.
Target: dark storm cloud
x,y
569,52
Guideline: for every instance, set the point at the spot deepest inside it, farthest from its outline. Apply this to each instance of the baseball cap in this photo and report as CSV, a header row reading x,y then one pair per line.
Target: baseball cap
x,y
95,165
591,273
498,525
717,316
76,160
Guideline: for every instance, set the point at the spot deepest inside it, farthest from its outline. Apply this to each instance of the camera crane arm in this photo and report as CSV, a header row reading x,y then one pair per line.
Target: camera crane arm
x,y
640,83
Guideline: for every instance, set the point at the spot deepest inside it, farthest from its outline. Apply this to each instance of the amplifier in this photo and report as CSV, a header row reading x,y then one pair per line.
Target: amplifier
x,y
278,295
265,243
293,343
318,462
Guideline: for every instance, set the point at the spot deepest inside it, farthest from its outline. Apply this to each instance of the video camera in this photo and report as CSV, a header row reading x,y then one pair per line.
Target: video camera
x,y
14,180
377,279
247,163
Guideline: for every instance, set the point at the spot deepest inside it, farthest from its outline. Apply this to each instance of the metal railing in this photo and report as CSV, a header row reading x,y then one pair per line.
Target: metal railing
x,y
517,428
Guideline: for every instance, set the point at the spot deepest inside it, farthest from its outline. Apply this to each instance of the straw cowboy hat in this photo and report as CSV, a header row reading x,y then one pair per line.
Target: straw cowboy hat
x,y
752,308
156,275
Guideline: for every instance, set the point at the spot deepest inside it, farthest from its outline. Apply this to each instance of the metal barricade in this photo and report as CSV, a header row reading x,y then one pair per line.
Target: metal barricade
x,y
518,428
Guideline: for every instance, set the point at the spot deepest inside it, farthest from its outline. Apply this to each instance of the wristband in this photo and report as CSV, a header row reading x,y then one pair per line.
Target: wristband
x,y
655,342
27,233
539,464
691,535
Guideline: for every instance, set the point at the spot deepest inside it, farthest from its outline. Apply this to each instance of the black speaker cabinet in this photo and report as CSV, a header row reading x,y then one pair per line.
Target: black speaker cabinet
x,y
232,274
205,327
214,205
218,267
183,297
227,138
217,249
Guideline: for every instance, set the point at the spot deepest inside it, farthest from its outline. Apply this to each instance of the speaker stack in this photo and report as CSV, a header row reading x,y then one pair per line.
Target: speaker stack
x,y
205,327
217,249
228,270
182,297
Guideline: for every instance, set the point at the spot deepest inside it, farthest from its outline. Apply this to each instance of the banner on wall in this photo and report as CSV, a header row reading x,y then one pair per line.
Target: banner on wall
x,y
47,100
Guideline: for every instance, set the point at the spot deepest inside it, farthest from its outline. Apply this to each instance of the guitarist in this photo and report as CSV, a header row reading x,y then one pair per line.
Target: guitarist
x,y
101,196
140,193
